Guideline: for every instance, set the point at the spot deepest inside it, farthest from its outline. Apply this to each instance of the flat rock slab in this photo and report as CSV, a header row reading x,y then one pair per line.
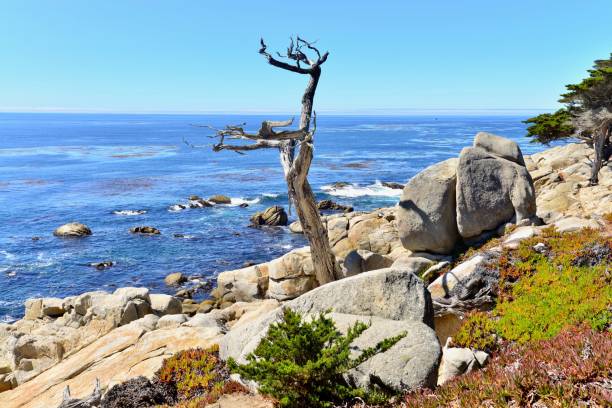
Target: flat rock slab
x,y
123,353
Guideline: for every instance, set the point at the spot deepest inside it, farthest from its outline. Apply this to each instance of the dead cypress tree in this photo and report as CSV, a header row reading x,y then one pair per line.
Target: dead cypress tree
x,y
302,57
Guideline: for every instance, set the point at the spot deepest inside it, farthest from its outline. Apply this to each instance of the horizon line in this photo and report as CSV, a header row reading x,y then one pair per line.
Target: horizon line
x,y
253,112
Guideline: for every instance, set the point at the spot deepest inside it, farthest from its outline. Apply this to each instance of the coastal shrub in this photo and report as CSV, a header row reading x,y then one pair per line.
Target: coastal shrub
x,y
478,332
300,363
195,373
572,369
541,292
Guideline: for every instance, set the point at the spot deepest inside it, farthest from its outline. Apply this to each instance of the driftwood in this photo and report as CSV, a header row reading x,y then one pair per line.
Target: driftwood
x,y
295,167
455,306
91,401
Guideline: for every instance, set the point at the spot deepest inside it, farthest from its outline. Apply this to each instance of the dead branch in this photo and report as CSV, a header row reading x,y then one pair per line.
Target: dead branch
x,y
266,136
296,53
458,307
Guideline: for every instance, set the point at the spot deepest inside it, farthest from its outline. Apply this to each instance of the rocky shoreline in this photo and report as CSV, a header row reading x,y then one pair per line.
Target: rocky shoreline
x,y
405,269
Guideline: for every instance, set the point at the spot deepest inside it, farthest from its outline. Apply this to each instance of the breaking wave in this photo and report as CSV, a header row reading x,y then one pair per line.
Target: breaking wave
x,y
355,190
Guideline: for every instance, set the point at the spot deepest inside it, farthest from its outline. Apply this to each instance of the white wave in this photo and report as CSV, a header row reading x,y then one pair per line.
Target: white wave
x,y
177,207
7,319
270,195
355,190
7,254
238,201
129,212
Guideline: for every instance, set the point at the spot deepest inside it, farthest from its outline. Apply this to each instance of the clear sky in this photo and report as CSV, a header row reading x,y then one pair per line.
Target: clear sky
x,y
385,56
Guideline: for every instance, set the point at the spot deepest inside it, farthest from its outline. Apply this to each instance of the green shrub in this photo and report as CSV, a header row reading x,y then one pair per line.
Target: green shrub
x,y
478,332
554,297
540,293
300,363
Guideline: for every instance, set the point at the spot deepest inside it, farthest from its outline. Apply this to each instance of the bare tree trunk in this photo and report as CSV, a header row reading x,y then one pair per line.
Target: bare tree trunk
x,y
323,259
599,146
295,167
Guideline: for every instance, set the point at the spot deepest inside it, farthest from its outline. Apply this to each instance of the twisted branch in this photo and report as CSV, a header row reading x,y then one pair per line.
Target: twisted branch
x,y
266,136
295,52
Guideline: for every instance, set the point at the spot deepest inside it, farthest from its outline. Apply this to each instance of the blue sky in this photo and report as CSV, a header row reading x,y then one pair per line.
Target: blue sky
x,y
385,56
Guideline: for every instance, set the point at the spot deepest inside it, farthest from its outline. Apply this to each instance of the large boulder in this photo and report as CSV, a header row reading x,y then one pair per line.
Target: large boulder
x,y
410,364
426,213
491,191
419,351
362,260
272,216
246,284
392,300
499,146
291,275
73,229
389,293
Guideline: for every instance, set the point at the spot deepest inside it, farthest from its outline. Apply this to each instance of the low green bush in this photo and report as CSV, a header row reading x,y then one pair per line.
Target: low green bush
x,y
300,363
566,284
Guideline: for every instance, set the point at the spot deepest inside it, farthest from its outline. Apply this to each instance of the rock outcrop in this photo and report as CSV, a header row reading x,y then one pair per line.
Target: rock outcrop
x,y
54,328
446,201
146,230
131,350
73,229
426,213
392,300
272,216
561,179
220,199
493,186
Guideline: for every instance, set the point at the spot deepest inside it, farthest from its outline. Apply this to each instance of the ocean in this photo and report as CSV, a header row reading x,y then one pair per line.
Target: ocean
x,y
100,169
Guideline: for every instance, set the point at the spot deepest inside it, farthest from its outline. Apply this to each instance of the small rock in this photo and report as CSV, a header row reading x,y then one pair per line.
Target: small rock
x,y
35,238
272,216
243,205
329,205
393,185
33,309
540,247
190,308
220,199
184,293
296,227
199,204
73,229
340,184
53,307
206,306
165,304
171,321
175,279
145,230
102,265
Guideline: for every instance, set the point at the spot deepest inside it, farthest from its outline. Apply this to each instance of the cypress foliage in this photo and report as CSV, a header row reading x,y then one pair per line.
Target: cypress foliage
x,y
300,363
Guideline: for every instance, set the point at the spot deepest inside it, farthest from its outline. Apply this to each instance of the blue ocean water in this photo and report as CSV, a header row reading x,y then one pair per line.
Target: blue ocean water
x,y
58,168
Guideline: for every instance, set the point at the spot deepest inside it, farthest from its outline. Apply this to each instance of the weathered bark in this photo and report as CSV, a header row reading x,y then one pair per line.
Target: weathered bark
x,y
602,153
323,259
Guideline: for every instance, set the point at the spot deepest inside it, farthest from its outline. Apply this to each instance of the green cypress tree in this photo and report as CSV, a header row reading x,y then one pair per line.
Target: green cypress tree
x,y
300,363
587,115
